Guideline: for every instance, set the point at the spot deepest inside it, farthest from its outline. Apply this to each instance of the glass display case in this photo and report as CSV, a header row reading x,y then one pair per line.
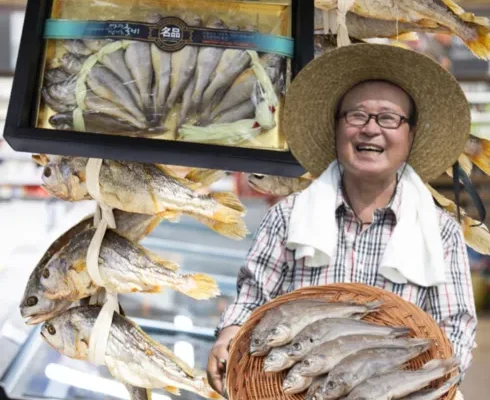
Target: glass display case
x,y
31,369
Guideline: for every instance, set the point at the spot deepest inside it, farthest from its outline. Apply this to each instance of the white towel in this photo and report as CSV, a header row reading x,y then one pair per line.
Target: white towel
x,y
414,252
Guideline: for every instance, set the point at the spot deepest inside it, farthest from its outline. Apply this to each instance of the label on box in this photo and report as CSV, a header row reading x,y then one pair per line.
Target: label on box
x,y
169,34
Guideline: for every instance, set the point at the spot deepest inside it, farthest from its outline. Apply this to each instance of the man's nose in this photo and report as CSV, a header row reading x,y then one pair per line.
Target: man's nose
x,y
371,128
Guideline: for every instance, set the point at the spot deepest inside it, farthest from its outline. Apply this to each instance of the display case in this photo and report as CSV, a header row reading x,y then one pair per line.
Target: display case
x,y
31,369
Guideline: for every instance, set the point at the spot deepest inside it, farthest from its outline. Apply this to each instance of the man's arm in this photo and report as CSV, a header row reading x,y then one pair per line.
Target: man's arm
x,y
262,277
259,280
452,305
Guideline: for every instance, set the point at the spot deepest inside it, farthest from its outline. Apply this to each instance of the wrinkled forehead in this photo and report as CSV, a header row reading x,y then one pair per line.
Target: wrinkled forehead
x,y
377,90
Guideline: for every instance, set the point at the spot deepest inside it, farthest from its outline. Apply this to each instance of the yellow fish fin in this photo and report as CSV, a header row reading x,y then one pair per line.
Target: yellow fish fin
x,y
480,46
444,202
229,200
164,263
427,23
236,231
482,159
205,176
40,159
167,171
199,287
455,8
172,389
465,163
476,237
171,215
407,37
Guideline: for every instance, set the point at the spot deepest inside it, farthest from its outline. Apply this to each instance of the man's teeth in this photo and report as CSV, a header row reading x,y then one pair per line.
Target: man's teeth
x,y
369,148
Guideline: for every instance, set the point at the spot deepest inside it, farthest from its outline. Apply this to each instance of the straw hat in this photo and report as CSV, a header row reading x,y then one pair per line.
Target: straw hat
x,y
443,118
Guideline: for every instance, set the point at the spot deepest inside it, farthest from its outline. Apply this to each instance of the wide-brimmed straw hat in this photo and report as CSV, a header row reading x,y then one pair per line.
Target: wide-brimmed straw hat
x,y
443,115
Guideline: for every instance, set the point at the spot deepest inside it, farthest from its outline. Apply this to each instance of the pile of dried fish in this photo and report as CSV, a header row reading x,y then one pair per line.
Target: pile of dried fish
x,y
135,88
61,291
394,18
329,352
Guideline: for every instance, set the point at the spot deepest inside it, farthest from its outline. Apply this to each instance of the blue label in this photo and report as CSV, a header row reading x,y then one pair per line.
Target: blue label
x,y
169,34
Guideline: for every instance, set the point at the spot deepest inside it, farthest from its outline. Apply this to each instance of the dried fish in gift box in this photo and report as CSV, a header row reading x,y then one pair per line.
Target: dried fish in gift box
x,y
203,71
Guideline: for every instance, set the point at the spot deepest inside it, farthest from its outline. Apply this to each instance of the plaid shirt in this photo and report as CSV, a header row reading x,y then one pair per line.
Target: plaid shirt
x,y
271,269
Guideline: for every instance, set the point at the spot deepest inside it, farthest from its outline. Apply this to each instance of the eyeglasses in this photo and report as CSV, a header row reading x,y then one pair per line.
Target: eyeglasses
x,y
386,120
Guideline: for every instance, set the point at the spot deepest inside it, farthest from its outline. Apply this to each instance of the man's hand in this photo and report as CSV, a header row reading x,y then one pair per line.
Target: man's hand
x,y
218,357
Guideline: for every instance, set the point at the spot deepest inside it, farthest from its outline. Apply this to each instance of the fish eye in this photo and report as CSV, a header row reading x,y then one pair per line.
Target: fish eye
x,y
47,172
31,301
306,362
311,340
257,341
51,329
297,346
275,331
46,273
331,384
257,176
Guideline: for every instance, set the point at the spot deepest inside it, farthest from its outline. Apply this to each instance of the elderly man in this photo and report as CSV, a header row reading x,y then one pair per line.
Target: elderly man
x,y
373,123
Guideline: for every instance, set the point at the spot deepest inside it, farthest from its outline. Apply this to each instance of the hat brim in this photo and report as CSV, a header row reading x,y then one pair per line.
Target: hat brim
x,y
443,114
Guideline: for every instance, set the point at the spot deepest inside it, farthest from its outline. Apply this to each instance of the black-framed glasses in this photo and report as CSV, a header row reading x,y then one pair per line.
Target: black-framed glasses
x,y
386,120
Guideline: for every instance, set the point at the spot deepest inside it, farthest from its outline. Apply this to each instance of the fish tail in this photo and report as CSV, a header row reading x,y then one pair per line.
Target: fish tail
x,y
237,231
480,45
205,176
477,237
199,286
229,200
482,158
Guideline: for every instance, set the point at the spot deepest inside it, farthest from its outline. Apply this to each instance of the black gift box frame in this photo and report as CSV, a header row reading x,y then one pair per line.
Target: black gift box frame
x,y
22,136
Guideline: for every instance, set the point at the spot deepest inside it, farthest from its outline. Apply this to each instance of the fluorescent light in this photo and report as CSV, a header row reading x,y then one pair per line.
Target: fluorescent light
x,y
69,376
185,351
183,322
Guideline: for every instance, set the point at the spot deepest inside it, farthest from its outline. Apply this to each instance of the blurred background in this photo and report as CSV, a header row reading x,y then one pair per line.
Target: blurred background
x,y
30,220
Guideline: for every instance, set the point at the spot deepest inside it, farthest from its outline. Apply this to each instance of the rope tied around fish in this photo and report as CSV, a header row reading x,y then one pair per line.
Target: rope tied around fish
x,y
103,219
81,87
234,133
335,21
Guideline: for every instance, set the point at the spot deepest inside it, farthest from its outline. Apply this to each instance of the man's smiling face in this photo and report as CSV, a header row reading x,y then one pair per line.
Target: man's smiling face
x,y
373,150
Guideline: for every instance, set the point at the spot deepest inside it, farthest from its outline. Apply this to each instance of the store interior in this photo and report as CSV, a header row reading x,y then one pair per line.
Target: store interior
x,y
30,219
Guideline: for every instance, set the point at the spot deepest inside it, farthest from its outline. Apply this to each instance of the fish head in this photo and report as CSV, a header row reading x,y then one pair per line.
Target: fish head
x,y
293,381
62,121
54,281
65,336
276,360
279,335
334,387
258,345
65,178
35,307
311,365
300,348
261,183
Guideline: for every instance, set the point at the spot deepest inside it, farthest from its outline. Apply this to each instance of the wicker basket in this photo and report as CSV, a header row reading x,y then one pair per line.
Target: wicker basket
x,y
245,377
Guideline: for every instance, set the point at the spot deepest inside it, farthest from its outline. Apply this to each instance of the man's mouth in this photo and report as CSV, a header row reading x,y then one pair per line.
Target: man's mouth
x,y
369,148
